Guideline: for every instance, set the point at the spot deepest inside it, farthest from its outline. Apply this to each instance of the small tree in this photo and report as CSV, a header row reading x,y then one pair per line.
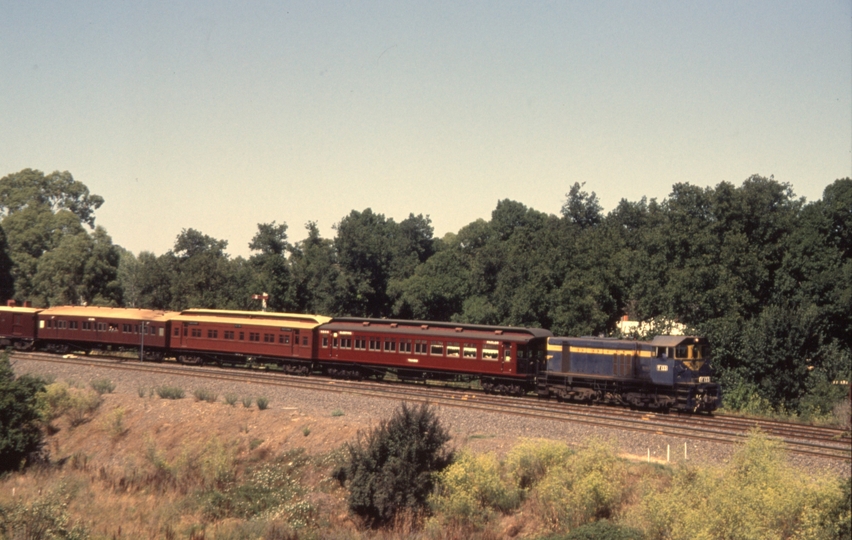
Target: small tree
x,y
20,426
391,469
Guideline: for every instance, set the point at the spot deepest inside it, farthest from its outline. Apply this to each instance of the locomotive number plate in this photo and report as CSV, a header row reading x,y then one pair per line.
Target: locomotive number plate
x,y
662,367
703,379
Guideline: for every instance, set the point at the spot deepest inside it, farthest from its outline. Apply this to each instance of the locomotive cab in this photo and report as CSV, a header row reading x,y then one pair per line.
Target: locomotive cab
x,y
689,361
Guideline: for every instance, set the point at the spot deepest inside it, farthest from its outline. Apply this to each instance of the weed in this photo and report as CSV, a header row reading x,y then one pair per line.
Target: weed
x,y
142,391
231,399
113,423
262,403
205,394
247,402
81,405
102,386
306,431
255,443
336,412
170,392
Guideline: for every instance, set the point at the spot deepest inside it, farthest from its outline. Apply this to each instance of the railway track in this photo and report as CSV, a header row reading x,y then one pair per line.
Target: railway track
x,y
824,442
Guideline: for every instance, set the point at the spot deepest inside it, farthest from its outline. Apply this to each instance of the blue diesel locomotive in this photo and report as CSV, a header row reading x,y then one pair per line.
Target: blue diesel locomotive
x,y
669,372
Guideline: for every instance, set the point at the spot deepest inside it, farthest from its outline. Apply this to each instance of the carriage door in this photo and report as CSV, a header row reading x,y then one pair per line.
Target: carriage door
x,y
17,327
506,363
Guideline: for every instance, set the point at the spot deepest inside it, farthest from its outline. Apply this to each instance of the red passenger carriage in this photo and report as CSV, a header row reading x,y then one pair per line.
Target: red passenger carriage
x,y
86,328
504,359
211,335
18,325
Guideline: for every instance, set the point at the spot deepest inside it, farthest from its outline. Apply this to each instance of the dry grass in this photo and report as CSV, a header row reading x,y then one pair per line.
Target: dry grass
x,y
136,470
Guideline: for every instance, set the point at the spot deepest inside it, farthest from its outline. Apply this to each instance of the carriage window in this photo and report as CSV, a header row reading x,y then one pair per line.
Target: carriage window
x,y
269,338
437,348
390,345
212,334
453,350
62,324
254,336
419,347
228,334
375,344
490,354
177,329
507,352
405,346
242,336
345,343
360,344
196,332
73,325
334,343
283,339
325,342
304,341
86,325
469,351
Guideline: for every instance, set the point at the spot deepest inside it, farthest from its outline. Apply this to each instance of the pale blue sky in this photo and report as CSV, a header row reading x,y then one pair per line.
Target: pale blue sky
x,y
221,115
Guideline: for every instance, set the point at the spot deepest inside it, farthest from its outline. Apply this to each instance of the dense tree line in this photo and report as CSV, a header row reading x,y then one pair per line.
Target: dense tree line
x,y
765,275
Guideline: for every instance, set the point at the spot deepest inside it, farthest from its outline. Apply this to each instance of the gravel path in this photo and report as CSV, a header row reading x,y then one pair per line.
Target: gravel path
x,y
471,429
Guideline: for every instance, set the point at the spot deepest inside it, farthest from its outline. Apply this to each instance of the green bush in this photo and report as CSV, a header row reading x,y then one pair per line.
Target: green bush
x,y
53,401
262,403
391,469
113,423
588,487
205,394
81,405
170,392
601,530
102,386
247,402
529,461
756,495
231,399
43,519
471,488
20,418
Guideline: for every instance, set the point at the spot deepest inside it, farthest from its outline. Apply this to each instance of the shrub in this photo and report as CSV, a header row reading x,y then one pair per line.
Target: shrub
x,y
587,487
170,392
205,394
142,391
390,470
102,386
262,403
20,417
44,518
336,412
113,423
247,402
231,399
471,488
53,401
756,495
529,461
601,530
81,405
